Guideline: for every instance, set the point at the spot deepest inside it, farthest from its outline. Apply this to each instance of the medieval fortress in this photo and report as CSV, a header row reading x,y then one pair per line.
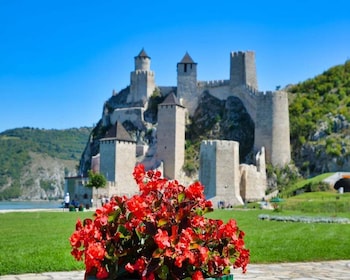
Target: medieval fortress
x,y
226,181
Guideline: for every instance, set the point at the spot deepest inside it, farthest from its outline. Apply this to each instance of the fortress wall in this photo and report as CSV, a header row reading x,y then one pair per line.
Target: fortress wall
x,y
166,140
187,89
253,184
171,139
220,92
213,83
108,159
227,172
281,152
142,85
142,64
135,115
180,129
242,69
263,124
207,168
250,69
248,98
165,90
237,69
124,166
219,171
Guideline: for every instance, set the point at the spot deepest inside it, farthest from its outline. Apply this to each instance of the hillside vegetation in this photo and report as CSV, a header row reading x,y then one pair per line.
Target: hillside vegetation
x,y
319,121
22,148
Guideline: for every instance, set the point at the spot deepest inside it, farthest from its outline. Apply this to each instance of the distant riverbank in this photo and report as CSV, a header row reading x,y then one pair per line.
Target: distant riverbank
x,y
29,205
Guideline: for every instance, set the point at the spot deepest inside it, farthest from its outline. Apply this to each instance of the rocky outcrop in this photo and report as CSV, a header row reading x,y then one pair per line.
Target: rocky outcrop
x,y
328,149
225,120
43,177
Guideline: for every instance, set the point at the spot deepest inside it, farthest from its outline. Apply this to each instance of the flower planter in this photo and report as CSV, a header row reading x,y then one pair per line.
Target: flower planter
x,y
129,236
224,277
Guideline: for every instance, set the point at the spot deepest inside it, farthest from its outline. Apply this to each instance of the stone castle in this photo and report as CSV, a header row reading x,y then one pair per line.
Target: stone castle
x,y
226,181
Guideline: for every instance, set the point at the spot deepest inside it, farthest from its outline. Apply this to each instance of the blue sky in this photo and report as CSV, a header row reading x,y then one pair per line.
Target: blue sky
x,y
61,60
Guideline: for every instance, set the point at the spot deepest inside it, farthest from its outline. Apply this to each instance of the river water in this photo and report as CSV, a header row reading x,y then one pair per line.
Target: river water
x,y
19,205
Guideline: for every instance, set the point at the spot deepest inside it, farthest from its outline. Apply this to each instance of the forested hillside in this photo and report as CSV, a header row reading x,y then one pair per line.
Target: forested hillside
x,y
19,147
319,121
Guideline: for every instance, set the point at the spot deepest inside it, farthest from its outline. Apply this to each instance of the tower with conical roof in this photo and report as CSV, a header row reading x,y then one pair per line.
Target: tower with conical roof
x,y
171,136
142,82
118,159
187,82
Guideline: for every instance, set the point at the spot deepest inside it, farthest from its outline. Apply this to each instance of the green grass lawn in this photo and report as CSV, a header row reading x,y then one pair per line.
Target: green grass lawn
x,y
316,202
271,241
38,241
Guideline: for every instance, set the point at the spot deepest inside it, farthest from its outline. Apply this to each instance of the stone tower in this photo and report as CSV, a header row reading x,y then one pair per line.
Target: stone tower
x,y
171,136
269,110
187,82
272,127
219,171
142,82
117,159
243,70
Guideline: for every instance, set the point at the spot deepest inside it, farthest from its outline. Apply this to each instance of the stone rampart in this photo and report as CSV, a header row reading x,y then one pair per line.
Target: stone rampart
x,y
133,114
219,171
213,84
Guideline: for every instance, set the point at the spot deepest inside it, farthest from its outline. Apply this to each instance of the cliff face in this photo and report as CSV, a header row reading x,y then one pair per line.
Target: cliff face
x,y
213,119
327,150
43,178
223,120
34,162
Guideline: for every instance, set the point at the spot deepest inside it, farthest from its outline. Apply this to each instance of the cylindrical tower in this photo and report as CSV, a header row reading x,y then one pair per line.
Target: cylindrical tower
x,y
281,153
142,83
272,127
142,61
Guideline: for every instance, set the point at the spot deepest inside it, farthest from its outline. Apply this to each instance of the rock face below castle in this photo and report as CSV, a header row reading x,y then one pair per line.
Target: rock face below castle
x,y
230,110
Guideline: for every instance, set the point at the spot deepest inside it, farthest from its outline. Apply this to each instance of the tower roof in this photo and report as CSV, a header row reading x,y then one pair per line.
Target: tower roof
x,y
143,53
118,132
187,59
171,99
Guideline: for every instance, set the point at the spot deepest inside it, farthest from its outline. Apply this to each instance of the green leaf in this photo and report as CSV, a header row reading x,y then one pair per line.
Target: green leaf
x,y
181,197
163,272
162,222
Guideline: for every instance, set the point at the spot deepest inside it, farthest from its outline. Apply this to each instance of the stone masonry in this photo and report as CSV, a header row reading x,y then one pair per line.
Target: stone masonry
x,y
225,179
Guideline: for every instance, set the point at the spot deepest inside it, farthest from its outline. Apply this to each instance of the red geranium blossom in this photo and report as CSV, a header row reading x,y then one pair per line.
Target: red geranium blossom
x,y
160,233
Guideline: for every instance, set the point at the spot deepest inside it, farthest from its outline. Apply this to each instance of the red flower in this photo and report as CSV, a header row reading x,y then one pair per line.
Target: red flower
x,y
161,233
139,173
195,191
162,239
197,275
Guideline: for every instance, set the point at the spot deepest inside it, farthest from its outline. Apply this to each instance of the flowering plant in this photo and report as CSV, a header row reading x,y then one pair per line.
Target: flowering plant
x,y
160,233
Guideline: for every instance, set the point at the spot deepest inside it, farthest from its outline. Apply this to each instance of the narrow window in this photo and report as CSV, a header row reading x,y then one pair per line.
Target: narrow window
x,y
185,68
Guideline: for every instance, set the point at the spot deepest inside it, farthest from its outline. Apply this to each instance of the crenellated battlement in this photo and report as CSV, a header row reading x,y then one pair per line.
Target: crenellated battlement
x,y
239,53
213,83
222,143
144,72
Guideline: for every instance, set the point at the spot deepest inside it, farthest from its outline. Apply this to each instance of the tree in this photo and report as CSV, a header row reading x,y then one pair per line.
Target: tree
x,y
96,180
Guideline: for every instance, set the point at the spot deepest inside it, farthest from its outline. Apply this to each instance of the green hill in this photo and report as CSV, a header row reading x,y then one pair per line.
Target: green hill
x,y
18,148
320,121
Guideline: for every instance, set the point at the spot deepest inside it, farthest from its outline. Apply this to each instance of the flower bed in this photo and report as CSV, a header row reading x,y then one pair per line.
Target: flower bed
x,y
161,233
302,219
